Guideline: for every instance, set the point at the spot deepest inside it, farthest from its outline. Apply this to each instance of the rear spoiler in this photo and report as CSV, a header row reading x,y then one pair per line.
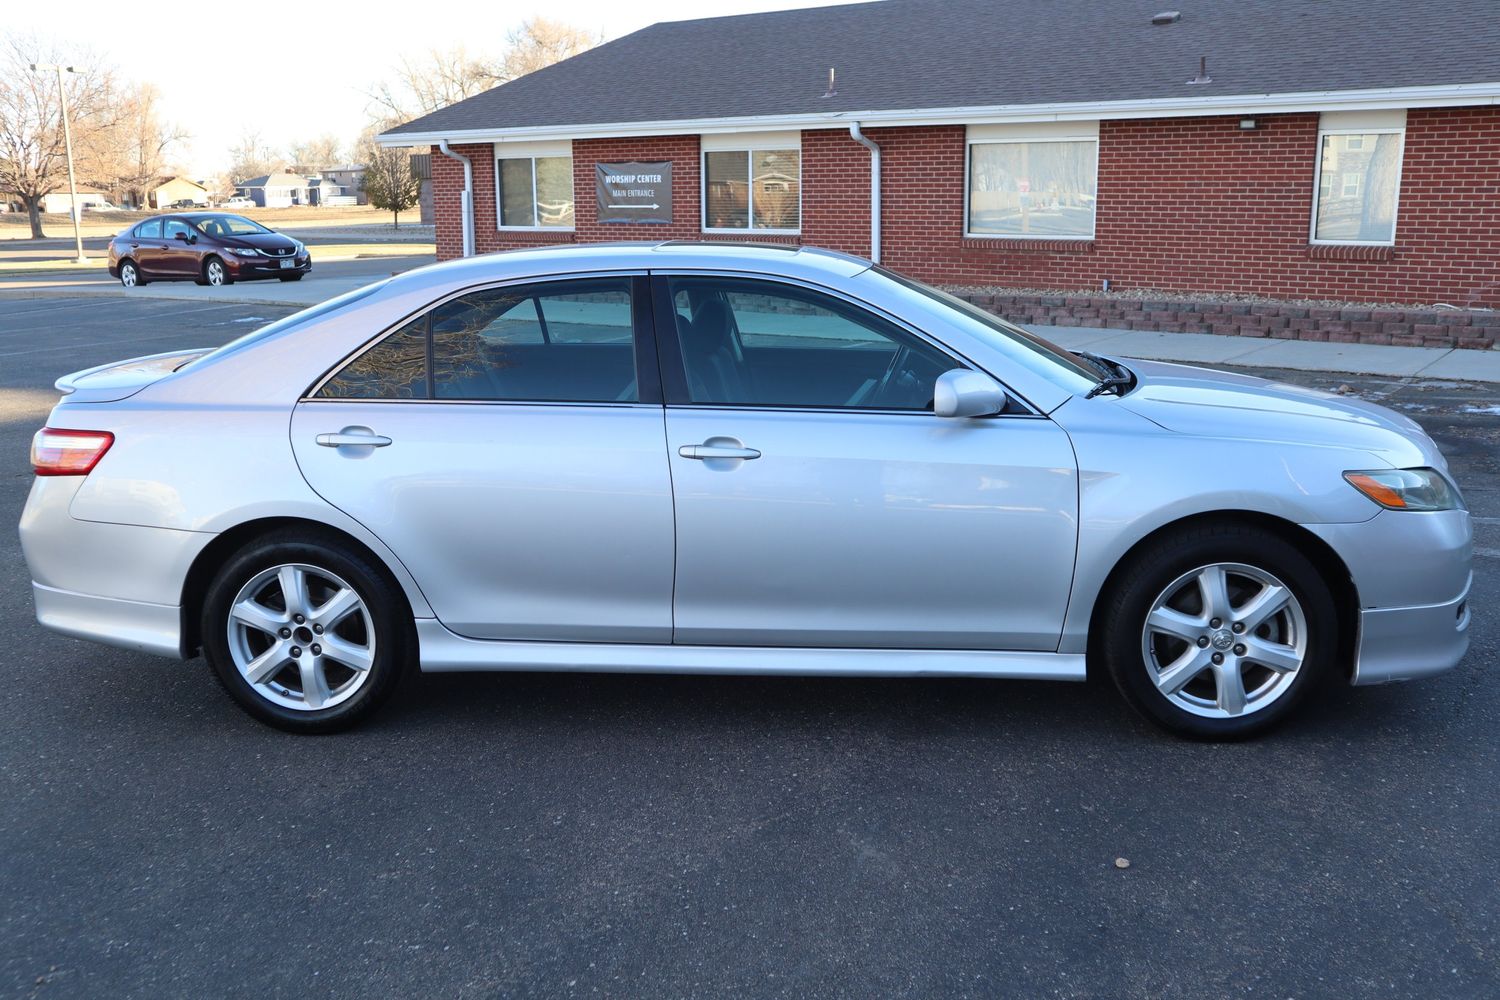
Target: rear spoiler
x,y
119,379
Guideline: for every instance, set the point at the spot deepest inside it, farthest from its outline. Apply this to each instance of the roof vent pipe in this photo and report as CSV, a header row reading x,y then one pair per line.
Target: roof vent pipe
x,y
859,137
466,201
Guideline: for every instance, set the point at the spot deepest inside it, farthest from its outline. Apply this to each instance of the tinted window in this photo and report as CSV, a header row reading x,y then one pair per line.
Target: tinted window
x,y
567,341
176,227
561,341
149,230
747,342
395,368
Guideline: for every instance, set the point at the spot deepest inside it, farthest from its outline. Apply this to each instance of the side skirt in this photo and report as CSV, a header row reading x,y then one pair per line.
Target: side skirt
x,y
445,651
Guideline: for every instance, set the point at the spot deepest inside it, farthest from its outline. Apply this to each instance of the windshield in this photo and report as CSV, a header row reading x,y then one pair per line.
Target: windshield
x,y
1056,364
288,322
229,225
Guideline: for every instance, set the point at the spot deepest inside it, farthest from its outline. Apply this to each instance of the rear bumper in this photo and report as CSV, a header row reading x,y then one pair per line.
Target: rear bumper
x,y
148,628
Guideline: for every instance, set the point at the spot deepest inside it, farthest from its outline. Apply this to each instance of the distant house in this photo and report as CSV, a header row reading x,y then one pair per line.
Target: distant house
x,y
322,191
351,178
421,165
277,190
175,189
61,202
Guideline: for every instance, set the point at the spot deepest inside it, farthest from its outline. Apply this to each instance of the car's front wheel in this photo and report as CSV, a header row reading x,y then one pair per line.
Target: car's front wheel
x,y
1219,631
215,273
305,633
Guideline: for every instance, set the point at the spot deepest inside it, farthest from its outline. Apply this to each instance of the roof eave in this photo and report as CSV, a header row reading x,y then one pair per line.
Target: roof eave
x,y
1445,95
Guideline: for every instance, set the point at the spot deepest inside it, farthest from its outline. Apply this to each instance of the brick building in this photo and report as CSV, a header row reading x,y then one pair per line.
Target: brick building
x,y
1331,154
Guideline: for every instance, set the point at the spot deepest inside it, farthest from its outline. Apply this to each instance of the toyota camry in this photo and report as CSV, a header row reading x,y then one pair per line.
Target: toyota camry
x,y
702,458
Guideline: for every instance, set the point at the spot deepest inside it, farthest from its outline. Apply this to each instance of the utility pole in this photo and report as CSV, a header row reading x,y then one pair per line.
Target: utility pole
x,y
62,92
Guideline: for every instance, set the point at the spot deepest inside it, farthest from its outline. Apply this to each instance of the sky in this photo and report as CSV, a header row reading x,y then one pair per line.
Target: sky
x,y
291,72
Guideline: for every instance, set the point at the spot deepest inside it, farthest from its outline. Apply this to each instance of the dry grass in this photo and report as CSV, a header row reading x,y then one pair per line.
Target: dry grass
x,y
14,225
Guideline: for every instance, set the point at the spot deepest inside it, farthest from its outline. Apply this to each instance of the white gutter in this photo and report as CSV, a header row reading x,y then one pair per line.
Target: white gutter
x,y
466,203
863,140
1448,95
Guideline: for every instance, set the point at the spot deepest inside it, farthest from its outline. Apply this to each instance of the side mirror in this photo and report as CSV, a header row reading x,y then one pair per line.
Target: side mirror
x,y
184,237
965,393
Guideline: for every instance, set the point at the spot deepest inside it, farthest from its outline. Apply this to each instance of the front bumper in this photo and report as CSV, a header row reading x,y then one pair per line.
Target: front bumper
x,y
1412,572
245,268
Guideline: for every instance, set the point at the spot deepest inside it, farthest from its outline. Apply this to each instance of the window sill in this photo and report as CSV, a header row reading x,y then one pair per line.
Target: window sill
x,y
750,234
1350,251
1012,244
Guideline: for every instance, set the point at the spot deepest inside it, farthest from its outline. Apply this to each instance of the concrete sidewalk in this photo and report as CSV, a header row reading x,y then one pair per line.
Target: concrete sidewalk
x,y
1299,355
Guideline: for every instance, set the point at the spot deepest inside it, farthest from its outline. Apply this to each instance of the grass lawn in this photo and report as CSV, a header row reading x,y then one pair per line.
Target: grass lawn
x,y
14,225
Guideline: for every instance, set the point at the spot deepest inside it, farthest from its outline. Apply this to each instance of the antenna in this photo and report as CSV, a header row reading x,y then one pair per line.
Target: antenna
x,y
832,90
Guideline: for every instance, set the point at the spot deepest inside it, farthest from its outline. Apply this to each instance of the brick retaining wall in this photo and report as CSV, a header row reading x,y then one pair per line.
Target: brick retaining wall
x,y
1466,328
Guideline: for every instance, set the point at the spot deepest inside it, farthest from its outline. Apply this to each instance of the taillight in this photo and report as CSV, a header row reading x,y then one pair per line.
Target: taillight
x,y
60,452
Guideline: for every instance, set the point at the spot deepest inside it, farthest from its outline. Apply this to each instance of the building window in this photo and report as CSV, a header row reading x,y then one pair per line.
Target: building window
x,y
534,192
752,189
1359,177
1033,189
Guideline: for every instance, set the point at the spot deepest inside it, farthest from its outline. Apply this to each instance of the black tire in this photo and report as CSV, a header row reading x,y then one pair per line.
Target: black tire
x,y
395,643
136,280
290,277
210,261
1134,590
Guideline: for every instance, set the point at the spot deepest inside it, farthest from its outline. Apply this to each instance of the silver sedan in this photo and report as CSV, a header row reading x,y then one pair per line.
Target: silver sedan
x,y
720,459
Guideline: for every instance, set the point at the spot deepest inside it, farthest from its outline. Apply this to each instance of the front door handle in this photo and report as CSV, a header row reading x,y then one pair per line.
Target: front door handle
x,y
353,437
718,447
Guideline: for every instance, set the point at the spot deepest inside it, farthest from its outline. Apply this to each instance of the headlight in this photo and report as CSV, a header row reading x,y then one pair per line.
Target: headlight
x,y
244,251
1407,489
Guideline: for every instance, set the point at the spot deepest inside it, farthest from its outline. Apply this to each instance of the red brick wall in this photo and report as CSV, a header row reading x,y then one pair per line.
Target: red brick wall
x,y
1185,205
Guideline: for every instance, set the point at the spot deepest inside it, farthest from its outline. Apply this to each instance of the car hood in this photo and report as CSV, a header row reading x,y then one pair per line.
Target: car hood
x,y
261,241
1209,403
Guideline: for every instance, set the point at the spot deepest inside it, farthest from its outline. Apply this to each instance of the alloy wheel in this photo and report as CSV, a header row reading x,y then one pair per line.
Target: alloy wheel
x,y
214,272
301,637
127,275
1224,640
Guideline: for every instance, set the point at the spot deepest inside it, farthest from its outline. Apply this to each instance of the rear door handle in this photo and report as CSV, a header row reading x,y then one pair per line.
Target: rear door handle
x,y
356,437
718,448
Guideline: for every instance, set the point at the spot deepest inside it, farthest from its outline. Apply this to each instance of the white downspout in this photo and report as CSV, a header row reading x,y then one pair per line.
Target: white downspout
x,y
859,137
466,204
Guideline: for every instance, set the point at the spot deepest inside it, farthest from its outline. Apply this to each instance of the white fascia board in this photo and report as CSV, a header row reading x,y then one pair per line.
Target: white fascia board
x,y
1452,95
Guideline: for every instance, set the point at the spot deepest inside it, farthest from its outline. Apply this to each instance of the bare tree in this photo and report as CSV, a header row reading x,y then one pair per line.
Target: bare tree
x,y
251,158
420,86
390,183
313,155
33,158
540,42
136,147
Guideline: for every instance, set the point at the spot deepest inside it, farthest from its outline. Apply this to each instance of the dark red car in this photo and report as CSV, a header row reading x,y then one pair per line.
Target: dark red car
x,y
210,248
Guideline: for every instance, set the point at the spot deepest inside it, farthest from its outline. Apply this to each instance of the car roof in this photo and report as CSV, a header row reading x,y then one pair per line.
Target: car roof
x,y
811,263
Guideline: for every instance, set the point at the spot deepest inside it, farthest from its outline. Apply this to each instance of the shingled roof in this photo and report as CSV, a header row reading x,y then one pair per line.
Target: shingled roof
x,y
900,55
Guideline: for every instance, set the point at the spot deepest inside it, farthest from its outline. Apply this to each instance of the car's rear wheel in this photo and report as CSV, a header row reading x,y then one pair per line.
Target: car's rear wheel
x,y
1219,632
305,633
130,275
215,273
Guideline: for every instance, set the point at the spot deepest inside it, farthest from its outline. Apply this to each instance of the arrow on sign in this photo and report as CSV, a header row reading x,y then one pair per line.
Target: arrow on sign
x,y
635,206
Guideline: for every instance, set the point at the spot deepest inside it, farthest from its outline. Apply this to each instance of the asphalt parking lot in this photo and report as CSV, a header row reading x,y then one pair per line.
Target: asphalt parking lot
x,y
537,835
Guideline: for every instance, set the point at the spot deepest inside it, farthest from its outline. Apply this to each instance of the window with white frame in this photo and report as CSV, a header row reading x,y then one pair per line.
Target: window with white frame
x,y
752,183
534,186
1359,177
1036,181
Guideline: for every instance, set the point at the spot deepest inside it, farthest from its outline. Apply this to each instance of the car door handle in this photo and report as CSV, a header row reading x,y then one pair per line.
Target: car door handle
x,y
712,449
348,438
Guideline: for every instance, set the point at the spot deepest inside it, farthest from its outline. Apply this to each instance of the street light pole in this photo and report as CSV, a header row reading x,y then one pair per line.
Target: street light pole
x,y
62,92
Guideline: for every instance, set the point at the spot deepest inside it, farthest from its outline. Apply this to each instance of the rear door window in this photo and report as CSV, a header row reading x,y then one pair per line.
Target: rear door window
x,y
149,230
563,341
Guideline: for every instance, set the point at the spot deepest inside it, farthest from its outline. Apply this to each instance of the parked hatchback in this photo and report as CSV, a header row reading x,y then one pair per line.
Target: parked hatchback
x,y
733,460
211,248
